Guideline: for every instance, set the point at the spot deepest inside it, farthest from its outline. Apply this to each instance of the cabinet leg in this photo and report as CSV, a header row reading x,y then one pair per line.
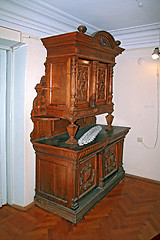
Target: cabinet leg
x,y
72,129
109,119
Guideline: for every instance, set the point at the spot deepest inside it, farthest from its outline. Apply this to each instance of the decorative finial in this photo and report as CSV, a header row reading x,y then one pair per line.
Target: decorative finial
x,y
118,42
82,29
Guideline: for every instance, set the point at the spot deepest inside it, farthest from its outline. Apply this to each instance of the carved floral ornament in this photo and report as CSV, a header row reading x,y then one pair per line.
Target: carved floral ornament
x,y
110,160
87,175
82,83
101,84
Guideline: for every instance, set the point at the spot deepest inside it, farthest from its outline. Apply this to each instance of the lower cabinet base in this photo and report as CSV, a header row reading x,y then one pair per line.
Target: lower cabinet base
x,y
85,204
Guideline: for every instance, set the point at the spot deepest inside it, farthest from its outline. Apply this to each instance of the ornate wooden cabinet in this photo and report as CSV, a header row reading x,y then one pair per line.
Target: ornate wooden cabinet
x,y
76,87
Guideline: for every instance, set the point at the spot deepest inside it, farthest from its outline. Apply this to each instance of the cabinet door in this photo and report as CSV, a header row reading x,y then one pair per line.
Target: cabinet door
x,y
101,87
108,162
87,175
82,83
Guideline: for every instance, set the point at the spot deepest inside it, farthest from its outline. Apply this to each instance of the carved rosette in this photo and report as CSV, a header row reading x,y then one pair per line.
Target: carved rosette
x,y
87,177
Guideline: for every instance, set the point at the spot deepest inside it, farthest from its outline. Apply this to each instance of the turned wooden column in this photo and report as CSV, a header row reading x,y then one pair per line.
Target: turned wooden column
x,y
110,117
95,63
72,129
73,83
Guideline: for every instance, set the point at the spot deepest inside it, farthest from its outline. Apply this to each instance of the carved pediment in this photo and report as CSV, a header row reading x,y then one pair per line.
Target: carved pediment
x,y
104,38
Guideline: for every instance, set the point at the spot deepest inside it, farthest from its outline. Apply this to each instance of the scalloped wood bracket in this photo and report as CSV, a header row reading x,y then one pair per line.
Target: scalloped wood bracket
x,y
39,104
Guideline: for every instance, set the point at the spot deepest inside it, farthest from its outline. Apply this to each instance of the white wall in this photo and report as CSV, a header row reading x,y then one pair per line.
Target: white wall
x,y
135,98
36,56
25,79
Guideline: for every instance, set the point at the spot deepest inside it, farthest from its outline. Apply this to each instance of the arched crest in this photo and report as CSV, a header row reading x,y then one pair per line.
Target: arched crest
x,y
104,38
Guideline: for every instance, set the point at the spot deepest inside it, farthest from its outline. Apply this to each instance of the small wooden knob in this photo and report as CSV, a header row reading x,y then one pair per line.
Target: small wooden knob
x,y
118,42
82,29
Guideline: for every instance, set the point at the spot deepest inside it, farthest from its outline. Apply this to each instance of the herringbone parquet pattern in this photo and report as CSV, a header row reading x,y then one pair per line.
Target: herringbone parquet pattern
x,y
131,211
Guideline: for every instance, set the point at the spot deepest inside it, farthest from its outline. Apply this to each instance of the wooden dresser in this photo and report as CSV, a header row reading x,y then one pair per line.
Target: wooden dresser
x,y
76,87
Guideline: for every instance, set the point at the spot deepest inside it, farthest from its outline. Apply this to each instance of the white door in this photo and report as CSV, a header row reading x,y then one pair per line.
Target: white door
x,y
3,184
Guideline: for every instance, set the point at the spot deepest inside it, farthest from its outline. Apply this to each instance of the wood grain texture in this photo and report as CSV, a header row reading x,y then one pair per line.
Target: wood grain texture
x,y
77,83
70,179
77,86
131,211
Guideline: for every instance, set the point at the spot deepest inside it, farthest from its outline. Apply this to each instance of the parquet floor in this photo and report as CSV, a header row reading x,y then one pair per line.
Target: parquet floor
x,y
131,211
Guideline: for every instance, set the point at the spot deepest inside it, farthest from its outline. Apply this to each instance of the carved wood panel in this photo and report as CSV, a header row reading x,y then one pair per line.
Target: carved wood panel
x,y
82,83
109,161
40,102
104,39
101,84
87,176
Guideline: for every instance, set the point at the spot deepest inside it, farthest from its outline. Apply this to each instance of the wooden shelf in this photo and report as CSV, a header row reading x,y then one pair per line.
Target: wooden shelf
x,y
46,118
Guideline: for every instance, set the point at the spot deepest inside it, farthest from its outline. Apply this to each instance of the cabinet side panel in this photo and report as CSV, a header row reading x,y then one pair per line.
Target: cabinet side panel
x,y
58,74
52,179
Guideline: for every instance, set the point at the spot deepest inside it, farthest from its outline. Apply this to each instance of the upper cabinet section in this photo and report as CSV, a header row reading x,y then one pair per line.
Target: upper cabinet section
x,y
77,84
101,46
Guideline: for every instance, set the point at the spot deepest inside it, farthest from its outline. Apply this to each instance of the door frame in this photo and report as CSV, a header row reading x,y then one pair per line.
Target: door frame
x,y
14,54
3,146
